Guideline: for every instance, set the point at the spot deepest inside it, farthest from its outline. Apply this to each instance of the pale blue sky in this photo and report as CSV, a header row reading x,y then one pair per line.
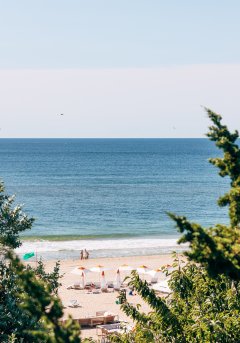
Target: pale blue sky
x,y
124,33
128,68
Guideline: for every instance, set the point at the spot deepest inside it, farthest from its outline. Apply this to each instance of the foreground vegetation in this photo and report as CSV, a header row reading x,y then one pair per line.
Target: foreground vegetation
x,y
29,306
204,305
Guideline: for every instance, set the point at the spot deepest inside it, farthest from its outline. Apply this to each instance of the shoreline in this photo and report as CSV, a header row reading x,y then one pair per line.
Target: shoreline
x,y
100,248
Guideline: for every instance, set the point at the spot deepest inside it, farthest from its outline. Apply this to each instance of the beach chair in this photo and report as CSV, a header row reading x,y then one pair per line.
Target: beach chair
x,y
96,291
154,280
104,290
104,331
116,288
103,317
74,303
110,284
111,318
76,285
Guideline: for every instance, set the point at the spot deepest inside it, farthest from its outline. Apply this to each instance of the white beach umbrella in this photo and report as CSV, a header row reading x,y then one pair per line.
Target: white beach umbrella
x,y
143,269
169,268
162,287
118,279
80,270
126,268
103,281
99,269
154,272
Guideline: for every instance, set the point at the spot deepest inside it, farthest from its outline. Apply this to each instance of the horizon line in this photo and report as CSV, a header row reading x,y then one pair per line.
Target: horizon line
x,y
103,138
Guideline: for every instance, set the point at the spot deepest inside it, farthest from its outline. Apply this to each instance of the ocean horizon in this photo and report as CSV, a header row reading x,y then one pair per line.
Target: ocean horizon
x,y
111,196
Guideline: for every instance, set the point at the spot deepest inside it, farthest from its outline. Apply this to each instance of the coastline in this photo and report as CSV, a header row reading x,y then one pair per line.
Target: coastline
x,y
101,248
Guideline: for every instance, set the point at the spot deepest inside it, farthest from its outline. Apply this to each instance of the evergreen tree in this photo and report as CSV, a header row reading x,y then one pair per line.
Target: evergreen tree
x,y
204,305
30,310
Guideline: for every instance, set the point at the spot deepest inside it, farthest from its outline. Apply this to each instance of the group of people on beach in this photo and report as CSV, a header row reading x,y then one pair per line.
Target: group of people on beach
x,y
84,254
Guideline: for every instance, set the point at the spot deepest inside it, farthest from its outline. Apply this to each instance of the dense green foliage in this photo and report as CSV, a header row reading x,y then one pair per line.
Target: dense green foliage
x,y
29,307
218,248
204,305
52,279
12,221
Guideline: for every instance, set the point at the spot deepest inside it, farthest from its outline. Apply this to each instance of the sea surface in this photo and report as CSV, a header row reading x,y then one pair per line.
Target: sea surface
x,y
111,196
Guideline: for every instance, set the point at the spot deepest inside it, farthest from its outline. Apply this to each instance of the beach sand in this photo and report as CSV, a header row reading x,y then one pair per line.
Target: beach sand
x,y
90,303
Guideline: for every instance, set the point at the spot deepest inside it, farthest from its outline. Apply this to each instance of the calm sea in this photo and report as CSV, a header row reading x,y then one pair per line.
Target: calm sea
x,y
110,195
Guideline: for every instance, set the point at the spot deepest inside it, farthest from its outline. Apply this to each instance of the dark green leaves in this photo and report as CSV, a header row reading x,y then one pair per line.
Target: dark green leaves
x,y
204,305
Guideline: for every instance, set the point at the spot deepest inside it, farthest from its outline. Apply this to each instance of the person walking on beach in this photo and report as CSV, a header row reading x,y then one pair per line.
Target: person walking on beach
x,y
86,254
81,255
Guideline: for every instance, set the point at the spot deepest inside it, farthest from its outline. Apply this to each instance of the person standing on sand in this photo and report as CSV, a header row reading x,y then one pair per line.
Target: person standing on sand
x,y
87,253
81,255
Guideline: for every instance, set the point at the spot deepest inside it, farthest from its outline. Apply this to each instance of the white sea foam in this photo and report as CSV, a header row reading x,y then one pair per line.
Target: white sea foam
x,y
94,245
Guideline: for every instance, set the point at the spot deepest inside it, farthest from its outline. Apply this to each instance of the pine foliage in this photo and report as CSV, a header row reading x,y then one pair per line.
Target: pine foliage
x,y
218,248
29,307
204,305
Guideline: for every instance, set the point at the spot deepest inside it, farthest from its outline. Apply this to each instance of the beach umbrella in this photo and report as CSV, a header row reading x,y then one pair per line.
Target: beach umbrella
x,y
143,269
125,267
154,272
103,281
98,269
80,270
162,287
169,268
118,279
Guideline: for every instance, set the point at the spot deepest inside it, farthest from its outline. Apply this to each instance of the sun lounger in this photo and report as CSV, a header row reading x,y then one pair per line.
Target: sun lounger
x,y
103,331
103,317
74,303
96,291
104,290
116,287
110,284
88,285
76,285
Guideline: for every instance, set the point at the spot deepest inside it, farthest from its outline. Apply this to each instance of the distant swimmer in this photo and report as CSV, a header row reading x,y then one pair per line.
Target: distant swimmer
x,y
61,114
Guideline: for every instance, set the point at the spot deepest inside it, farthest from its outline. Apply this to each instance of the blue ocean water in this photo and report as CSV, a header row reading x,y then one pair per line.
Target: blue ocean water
x,y
112,188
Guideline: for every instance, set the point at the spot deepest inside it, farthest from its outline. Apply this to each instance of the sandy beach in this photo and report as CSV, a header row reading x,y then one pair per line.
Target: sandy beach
x,y
90,303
